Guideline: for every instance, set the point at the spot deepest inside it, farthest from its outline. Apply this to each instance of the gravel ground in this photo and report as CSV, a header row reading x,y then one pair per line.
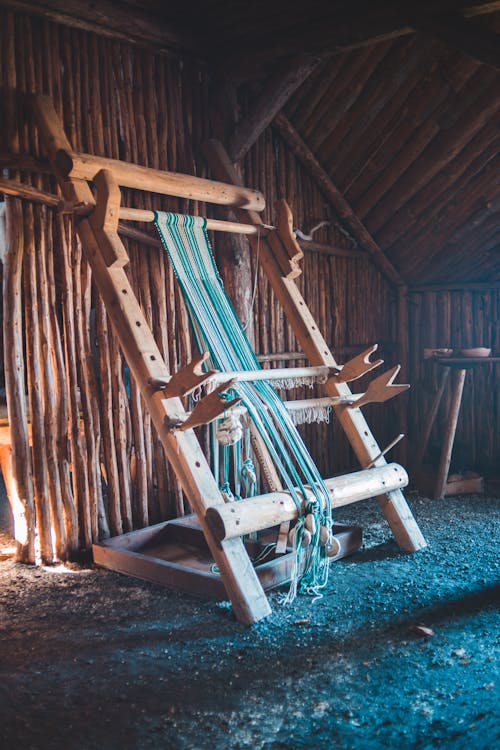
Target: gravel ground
x,y
400,652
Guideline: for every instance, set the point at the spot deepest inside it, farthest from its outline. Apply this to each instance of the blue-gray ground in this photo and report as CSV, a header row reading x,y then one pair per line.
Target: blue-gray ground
x,y
93,660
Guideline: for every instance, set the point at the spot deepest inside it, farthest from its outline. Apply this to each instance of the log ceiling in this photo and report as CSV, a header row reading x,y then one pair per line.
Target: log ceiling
x,y
399,106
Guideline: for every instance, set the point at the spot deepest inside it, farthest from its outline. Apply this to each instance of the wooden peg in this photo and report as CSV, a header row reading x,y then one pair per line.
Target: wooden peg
x,y
104,219
358,366
187,379
391,445
210,407
381,389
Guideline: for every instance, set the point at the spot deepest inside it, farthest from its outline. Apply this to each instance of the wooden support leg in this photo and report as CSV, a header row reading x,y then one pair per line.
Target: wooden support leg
x,y
432,418
451,428
147,366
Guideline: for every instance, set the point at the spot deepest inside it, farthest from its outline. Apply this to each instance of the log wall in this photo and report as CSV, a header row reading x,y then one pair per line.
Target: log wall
x,y
457,319
97,467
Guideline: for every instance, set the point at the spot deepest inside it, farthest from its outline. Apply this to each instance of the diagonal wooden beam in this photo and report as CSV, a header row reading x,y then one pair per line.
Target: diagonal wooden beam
x,y
269,102
465,35
341,206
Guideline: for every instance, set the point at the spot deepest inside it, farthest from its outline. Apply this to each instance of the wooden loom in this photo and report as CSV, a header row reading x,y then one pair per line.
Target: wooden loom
x,y
279,255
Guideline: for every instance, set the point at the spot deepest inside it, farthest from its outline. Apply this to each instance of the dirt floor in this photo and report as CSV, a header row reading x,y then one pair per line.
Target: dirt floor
x,y
93,660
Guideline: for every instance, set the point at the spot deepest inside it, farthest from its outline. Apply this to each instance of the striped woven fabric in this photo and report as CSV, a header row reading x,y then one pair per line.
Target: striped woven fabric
x,y
218,330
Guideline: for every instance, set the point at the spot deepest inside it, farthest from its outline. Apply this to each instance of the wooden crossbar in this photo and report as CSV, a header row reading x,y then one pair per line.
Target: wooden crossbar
x,y
70,164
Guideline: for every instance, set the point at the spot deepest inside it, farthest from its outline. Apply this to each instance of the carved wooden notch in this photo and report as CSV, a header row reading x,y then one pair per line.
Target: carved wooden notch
x,y
187,379
358,366
381,389
210,407
104,219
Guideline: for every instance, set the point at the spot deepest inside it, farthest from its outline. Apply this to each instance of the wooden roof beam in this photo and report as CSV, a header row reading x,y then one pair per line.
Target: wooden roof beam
x,y
269,102
341,206
334,32
111,19
464,35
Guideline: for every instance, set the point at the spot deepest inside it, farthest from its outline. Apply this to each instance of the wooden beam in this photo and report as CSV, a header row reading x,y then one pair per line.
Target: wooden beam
x,y
269,102
453,29
339,203
327,249
113,20
331,31
265,511
86,166
27,192
456,286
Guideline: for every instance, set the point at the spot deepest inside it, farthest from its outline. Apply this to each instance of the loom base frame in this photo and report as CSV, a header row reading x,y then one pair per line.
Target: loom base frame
x,y
175,554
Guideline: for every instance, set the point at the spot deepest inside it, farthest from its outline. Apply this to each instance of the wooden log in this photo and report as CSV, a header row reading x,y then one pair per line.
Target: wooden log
x,y
265,511
86,166
60,415
36,402
74,340
21,495
283,373
28,192
273,97
114,22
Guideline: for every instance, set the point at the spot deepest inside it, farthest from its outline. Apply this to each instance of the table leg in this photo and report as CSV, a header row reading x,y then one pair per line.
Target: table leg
x,y
451,427
432,417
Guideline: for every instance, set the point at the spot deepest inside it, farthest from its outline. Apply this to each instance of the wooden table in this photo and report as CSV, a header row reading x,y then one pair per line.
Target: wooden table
x,y
458,366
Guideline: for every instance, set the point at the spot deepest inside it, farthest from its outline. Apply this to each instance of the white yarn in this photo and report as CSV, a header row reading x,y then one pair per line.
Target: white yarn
x,y
230,430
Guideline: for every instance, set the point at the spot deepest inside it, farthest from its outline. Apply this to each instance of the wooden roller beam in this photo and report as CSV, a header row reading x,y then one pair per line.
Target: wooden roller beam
x,y
85,166
265,511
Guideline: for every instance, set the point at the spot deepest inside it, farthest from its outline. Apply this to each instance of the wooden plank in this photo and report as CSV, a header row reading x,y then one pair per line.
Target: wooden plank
x,y
146,363
393,504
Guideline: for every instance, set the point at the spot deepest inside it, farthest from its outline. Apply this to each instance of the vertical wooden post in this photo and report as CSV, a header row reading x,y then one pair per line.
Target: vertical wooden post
x,y
403,349
21,494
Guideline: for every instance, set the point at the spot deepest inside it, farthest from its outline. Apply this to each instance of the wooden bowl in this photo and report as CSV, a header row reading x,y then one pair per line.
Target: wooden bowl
x,y
430,353
479,351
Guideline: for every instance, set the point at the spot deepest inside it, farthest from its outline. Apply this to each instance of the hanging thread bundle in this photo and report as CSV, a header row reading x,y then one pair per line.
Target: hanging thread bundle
x,y
219,331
